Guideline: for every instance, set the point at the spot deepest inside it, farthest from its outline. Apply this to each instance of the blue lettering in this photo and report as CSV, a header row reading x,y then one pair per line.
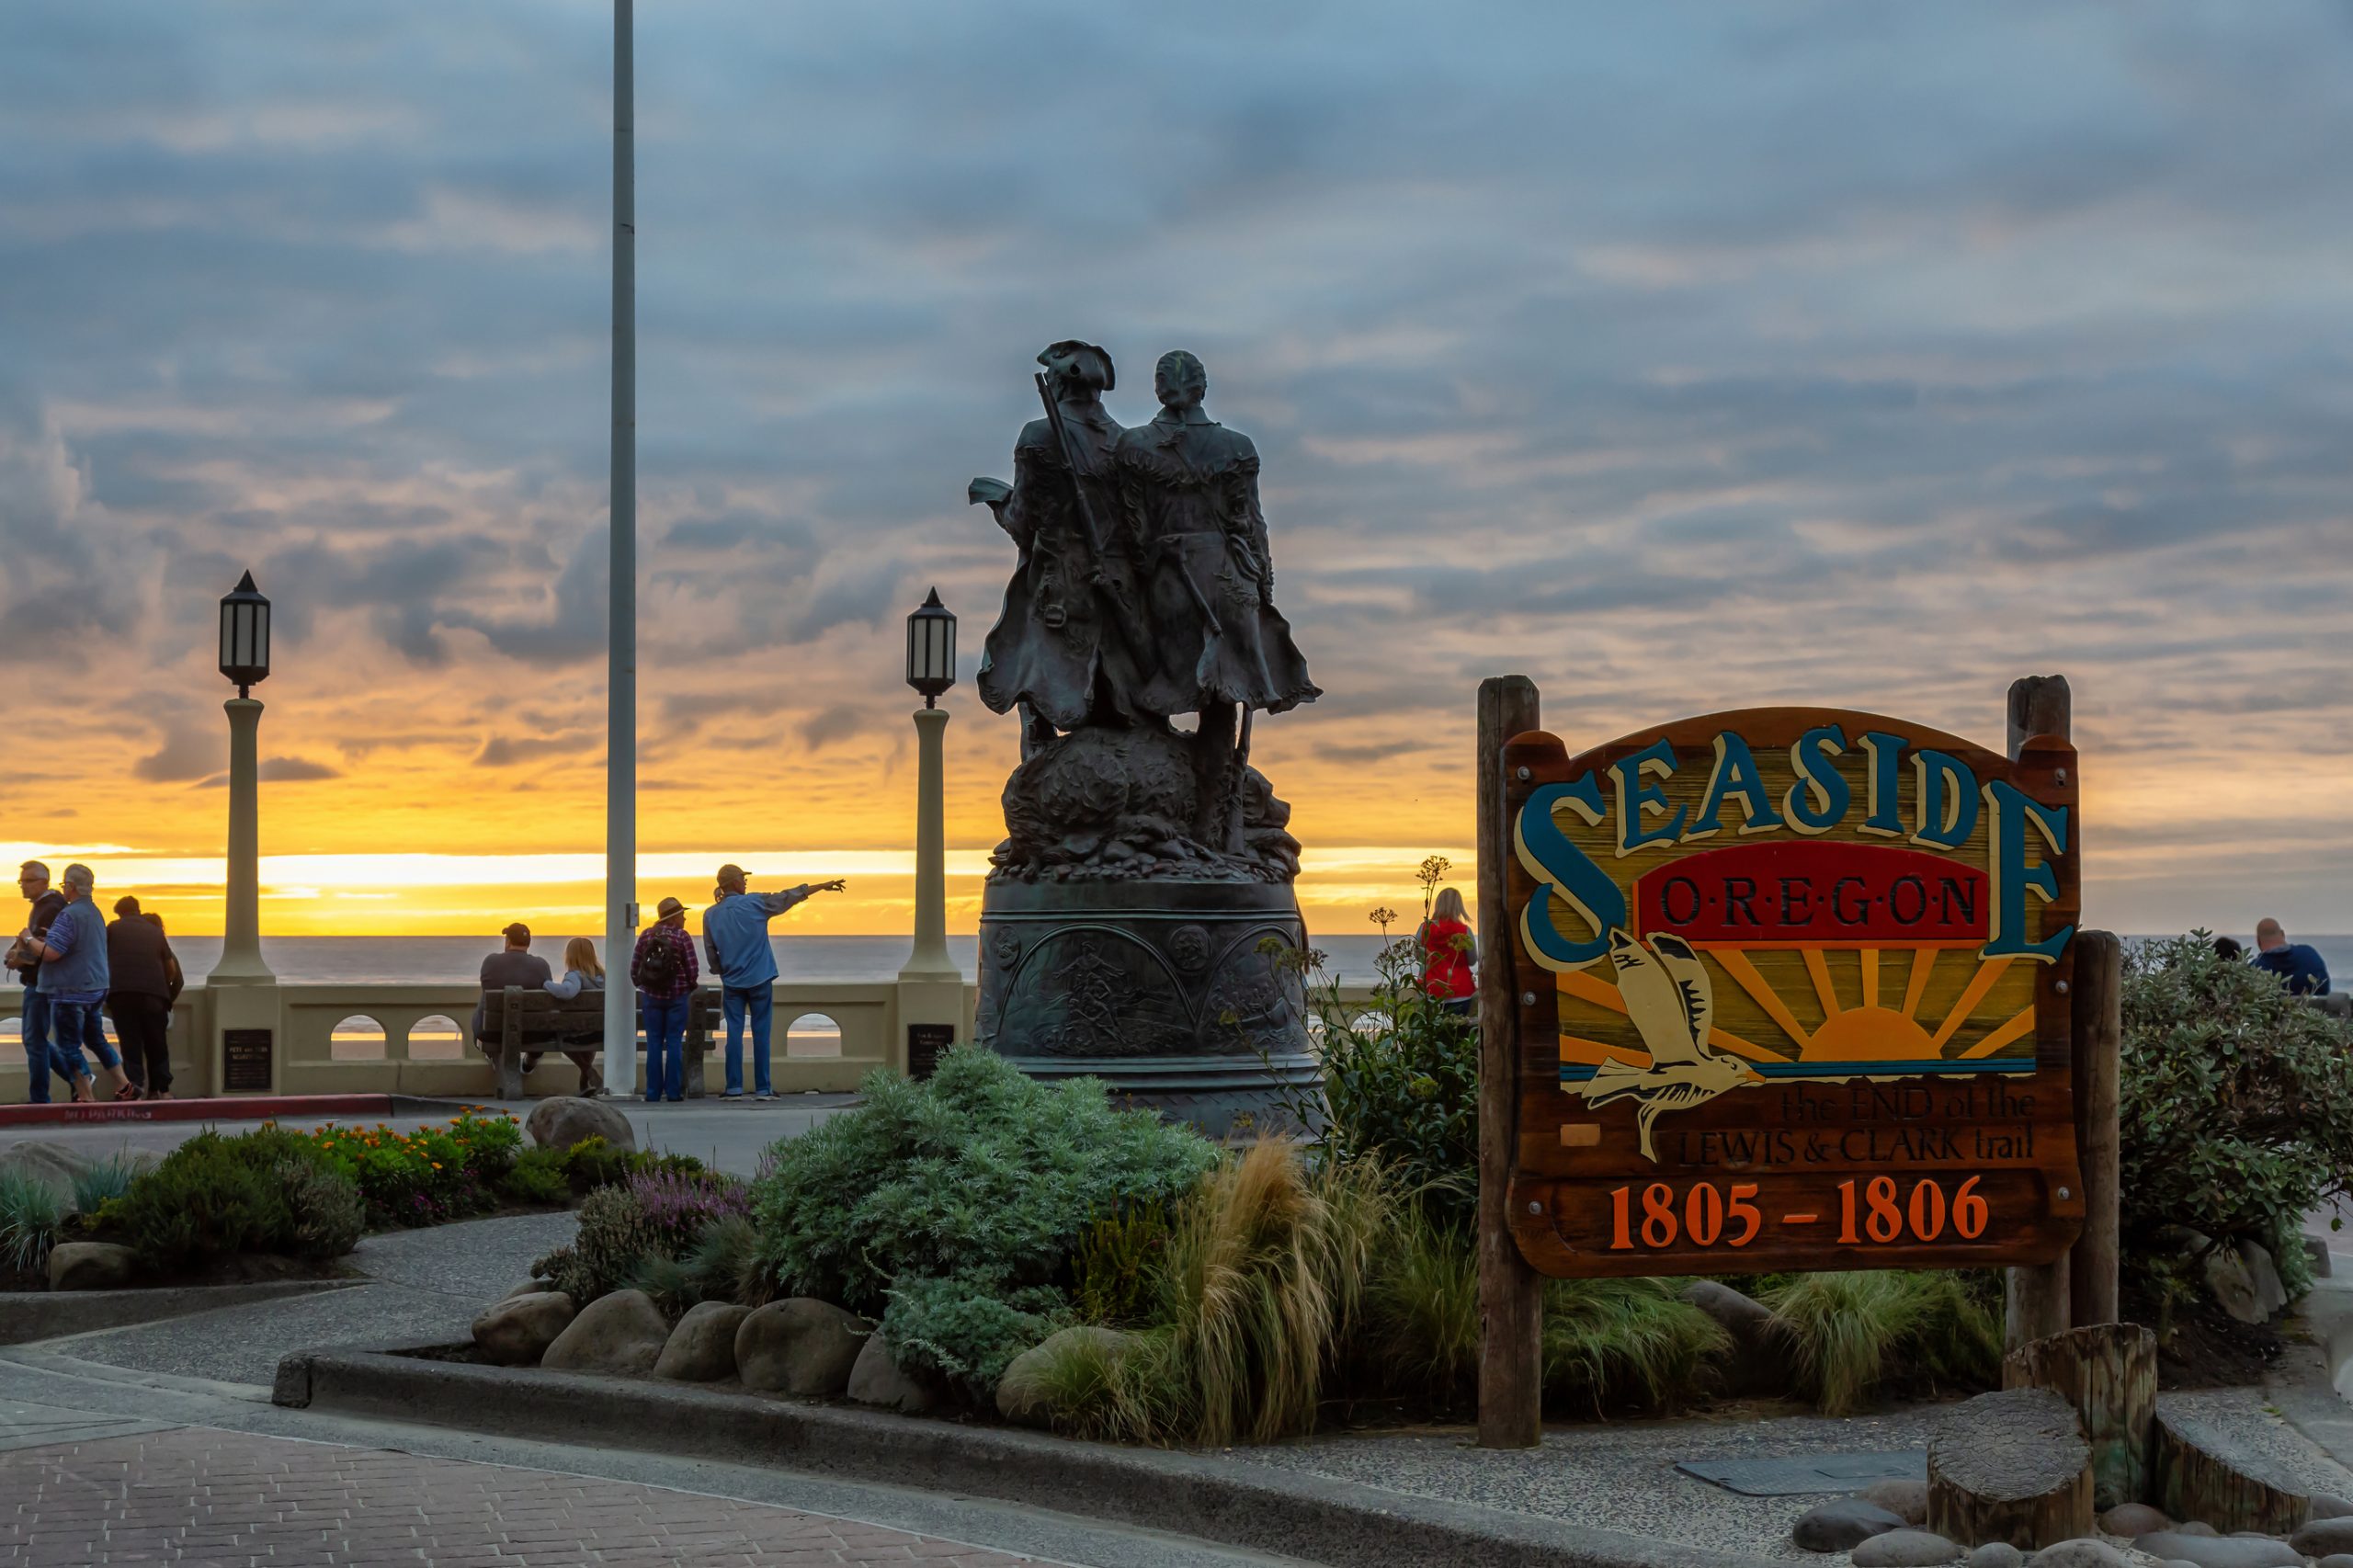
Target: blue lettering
x,y
1884,750
1635,797
1821,796
1735,773
1947,817
1567,876
2014,879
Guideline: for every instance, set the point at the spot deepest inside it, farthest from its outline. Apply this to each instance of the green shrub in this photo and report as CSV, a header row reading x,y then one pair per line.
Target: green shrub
x,y
31,1213
1400,1074
592,1163
538,1175
205,1198
615,1237
968,1331
1625,1341
2236,1115
725,1263
978,1174
327,1216
1423,1322
1888,1331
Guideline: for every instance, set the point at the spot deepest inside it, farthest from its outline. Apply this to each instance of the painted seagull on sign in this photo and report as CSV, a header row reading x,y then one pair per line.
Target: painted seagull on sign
x,y
1669,995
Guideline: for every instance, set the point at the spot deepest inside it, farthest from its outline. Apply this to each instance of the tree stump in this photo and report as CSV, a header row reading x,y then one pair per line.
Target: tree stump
x,y
2011,1466
2199,1477
2108,1373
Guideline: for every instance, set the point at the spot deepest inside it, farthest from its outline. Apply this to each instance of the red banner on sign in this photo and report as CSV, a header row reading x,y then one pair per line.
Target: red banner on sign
x,y
1833,894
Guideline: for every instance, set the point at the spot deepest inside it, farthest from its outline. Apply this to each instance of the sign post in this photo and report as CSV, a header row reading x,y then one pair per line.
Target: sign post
x,y
1791,992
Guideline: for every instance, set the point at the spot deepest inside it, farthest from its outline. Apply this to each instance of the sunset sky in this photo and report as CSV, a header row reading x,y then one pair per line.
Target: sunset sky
x,y
1680,357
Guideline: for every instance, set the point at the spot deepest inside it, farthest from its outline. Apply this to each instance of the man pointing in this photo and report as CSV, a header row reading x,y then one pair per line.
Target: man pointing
x,y
736,936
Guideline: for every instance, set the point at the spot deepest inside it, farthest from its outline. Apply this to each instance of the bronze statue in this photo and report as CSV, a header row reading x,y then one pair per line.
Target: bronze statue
x,y
1062,651
1136,919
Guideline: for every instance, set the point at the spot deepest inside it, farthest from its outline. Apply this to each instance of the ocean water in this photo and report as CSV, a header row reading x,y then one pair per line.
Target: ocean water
x,y
377,959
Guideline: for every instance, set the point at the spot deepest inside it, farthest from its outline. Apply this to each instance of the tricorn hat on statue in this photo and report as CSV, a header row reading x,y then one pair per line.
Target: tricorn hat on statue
x,y
1080,346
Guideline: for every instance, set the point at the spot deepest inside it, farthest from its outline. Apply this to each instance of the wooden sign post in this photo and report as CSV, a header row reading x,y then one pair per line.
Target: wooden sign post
x,y
1788,989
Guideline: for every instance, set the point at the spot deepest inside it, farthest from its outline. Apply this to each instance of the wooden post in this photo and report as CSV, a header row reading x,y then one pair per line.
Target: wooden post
x,y
2108,1373
510,1043
2099,1005
2035,1299
1511,1294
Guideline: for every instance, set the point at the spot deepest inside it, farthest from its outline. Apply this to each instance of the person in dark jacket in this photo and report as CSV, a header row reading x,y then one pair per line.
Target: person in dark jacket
x,y
141,967
41,1058
2298,964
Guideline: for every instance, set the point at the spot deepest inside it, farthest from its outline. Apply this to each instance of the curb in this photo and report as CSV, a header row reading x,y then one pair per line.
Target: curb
x,y
238,1107
1289,1514
29,1316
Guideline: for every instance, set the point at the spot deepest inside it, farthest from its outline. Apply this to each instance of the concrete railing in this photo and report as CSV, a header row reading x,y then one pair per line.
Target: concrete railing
x,y
305,1056
417,1056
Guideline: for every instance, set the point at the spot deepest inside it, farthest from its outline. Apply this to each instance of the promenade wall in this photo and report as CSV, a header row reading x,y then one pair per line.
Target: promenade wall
x,y
418,1054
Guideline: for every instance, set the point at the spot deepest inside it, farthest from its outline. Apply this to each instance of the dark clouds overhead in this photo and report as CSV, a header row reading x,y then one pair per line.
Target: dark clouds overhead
x,y
1684,358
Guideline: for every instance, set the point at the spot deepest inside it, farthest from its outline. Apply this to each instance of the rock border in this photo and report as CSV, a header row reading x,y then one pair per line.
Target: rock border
x,y
1288,1513
27,1316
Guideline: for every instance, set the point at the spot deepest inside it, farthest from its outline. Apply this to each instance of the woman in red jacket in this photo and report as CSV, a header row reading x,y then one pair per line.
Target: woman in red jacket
x,y
1449,954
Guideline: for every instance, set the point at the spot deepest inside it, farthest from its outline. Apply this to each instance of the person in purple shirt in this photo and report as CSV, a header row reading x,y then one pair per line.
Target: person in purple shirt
x,y
2297,964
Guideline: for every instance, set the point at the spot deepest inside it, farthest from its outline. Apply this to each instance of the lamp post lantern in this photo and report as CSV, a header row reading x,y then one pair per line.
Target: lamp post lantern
x,y
931,670
245,659
931,649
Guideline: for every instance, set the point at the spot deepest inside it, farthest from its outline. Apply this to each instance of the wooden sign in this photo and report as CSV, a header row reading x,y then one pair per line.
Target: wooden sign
x,y
1793,993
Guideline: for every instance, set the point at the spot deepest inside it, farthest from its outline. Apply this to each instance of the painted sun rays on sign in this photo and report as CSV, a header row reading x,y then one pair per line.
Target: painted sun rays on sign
x,y
1875,1034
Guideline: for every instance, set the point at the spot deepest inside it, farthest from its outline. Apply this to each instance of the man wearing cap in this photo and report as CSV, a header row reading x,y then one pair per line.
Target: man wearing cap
x,y
735,938
664,970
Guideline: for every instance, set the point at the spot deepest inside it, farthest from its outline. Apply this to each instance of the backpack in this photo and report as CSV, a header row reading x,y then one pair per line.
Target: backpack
x,y
657,966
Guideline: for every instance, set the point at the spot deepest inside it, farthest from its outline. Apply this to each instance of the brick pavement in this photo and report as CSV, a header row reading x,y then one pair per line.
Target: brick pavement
x,y
201,1495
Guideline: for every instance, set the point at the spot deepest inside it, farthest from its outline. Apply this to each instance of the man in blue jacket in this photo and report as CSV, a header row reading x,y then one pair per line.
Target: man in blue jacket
x,y
75,977
2296,962
736,936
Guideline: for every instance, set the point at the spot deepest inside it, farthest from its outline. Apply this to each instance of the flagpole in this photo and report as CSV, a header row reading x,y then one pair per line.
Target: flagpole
x,y
621,702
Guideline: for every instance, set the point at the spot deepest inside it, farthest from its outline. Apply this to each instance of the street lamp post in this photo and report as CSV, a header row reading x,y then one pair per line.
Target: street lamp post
x,y
621,632
931,670
245,659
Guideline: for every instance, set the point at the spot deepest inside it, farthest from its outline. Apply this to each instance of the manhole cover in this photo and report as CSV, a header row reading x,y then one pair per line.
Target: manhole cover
x,y
1814,1472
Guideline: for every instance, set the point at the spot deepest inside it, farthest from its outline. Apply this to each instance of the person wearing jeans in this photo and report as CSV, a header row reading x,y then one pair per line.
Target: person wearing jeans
x,y
40,1052
74,978
735,936
665,972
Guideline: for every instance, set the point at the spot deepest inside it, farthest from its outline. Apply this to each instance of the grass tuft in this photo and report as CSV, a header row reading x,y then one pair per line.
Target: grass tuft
x,y
1863,1335
30,1211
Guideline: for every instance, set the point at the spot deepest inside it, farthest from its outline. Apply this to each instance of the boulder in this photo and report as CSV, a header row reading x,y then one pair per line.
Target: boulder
x,y
517,1330
2327,1507
1997,1554
1907,1500
91,1266
2324,1537
2338,1559
1021,1393
701,1349
1842,1524
802,1346
56,1164
562,1120
2133,1521
2231,1286
2080,1554
621,1333
1760,1350
2196,1527
1914,1548
2220,1552
877,1379
527,1288
2263,1270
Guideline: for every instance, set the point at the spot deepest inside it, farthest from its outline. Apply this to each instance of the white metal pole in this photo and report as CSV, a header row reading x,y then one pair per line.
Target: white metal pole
x,y
620,717
240,962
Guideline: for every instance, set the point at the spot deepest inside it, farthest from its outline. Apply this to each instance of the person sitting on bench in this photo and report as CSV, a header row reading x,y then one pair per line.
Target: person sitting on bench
x,y
518,965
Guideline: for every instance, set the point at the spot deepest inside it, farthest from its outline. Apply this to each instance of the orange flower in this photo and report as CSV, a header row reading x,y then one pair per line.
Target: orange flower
x,y
436,1164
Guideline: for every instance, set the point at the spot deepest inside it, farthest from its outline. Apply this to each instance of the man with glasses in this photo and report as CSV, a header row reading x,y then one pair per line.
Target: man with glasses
x,y
32,880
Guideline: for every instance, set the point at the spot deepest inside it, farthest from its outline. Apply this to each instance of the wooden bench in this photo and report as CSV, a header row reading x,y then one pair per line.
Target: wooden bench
x,y
526,1020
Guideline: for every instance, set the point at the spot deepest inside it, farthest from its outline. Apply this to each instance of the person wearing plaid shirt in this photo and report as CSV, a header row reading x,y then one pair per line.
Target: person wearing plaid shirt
x,y
666,973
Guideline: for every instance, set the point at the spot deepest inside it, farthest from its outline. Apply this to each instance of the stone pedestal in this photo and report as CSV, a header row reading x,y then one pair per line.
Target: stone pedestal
x,y
1159,987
